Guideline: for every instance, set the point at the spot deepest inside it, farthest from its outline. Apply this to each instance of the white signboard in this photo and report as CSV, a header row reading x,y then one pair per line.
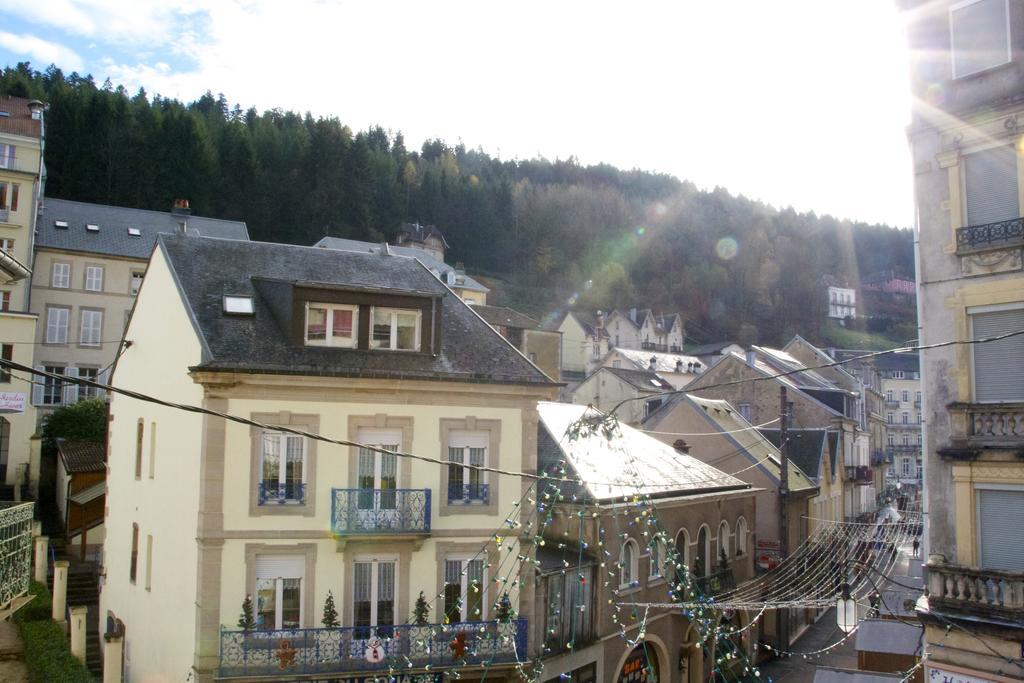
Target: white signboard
x,y
949,675
11,402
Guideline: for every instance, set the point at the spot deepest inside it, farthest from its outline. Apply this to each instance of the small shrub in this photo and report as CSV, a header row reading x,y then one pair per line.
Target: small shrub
x,y
47,654
39,609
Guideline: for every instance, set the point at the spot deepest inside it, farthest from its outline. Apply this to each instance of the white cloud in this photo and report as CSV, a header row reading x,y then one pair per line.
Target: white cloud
x,y
40,50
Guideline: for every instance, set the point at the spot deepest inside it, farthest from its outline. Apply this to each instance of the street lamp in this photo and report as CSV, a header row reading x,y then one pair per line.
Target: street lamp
x,y
846,610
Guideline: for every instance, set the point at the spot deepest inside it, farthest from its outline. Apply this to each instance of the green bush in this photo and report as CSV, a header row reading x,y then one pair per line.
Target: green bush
x,y
47,654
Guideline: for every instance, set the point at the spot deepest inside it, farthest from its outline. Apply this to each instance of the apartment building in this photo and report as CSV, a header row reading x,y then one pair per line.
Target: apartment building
x,y
967,144
90,262
901,386
543,347
21,171
204,512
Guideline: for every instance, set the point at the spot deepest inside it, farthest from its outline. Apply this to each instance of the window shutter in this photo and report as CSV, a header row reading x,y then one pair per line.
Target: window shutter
x,y
979,37
1002,536
37,387
280,566
991,185
103,378
998,365
70,389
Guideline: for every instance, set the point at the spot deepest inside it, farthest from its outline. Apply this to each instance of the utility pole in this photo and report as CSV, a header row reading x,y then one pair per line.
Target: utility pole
x,y
783,614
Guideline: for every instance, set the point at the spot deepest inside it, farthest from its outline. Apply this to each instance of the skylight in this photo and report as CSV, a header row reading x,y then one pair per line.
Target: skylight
x,y
134,232
60,224
238,305
92,227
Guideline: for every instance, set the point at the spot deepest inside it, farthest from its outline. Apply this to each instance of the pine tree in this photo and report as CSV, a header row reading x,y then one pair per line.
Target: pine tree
x,y
247,621
421,612
330,618
504,614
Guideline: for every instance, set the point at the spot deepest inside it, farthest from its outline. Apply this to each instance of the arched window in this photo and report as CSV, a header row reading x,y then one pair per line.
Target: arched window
x,y
628,564
723,541
658,555
702,562
741,536
683,548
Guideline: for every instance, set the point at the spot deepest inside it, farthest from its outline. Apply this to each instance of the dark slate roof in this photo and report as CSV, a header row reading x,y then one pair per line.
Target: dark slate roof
x,y
709,349
908,361
82,456
19,120
587,322
502,315
428,259
645,380
419,233
805,448
112,238
206,269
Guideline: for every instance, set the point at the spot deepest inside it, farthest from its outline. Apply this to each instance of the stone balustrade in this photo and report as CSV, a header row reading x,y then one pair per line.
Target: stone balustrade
x,y
988,424
970,589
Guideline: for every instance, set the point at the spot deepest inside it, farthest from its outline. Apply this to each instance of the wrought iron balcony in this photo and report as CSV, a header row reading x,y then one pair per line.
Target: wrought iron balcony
x,y
15,555
881,458
279,494
380,511
716,582
892,404
406,648
860,474
651,346
675,349
990,236
469,493
978,592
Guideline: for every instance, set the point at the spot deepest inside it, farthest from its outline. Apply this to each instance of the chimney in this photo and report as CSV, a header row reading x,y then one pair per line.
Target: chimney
x,y
751,355
681,446
600,319
652,365
181,211
679,366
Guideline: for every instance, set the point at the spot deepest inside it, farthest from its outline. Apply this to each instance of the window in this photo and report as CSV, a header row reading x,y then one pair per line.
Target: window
x,y
616,364
85,391
890,418
94,278
683,547
7,156
57,324
467,484
745,412
990,185
1000,534
377,473
918,418
149,561
892,439
658,555
464,590
134,568
628,564
152,450
282,469
569,608
7,353
702,563
905,396
907,467
136,281
723,540
741,537
979,35
7,245
331,325
91,330
279,586
139,429
999,365
396,329
917,397
5,300
905,417
897,374
373,598
52,388
9,197
919,439
61,275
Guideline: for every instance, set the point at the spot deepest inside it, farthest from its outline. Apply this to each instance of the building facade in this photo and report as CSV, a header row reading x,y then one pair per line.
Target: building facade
x,y
842,302
543,347
633,394
373,353
967,80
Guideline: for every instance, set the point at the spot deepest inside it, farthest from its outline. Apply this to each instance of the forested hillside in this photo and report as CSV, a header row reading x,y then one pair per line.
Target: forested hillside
x,y
548,234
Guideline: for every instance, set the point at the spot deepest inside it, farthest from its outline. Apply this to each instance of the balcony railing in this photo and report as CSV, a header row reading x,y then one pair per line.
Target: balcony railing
x,y
990,236
651,346
380,511
15,554
892,404
983,592
675,349
469,493
881,458
326,651
279,494
860,474
716,582
988,424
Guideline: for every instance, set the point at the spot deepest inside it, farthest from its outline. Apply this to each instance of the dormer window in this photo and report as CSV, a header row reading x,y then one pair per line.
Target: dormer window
x,y
331,325
397,329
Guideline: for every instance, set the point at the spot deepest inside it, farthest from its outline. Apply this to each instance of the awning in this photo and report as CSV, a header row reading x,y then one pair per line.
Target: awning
x,y
89,494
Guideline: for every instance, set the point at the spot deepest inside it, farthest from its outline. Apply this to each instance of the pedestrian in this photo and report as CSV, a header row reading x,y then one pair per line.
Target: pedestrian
x,y
916,546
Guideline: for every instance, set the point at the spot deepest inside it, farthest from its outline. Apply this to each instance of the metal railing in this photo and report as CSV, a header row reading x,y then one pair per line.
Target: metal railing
x,y
651,346
380,511
990,235
15,550
468,493
326,651
279,494
860,474
716,582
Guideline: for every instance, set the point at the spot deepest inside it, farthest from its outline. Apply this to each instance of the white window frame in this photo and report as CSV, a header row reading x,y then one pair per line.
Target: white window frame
x,y
659,555
8,154
91,334
632,578
464,561
279,598
393,341
375,561
58,319
94,278
282,439
329,338
90,373
952,38
61,275
53,385
467,442
135,282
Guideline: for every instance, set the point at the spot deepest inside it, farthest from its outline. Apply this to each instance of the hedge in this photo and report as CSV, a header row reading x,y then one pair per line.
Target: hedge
x,y
47,654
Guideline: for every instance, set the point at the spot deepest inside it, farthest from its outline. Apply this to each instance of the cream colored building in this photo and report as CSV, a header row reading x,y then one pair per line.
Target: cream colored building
x,y
901,388
967,144
642,329
204,511
90,261
584,344
21,147
632,394
677,369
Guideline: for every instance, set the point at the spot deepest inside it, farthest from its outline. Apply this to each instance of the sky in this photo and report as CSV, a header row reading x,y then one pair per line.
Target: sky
x,y
799,103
